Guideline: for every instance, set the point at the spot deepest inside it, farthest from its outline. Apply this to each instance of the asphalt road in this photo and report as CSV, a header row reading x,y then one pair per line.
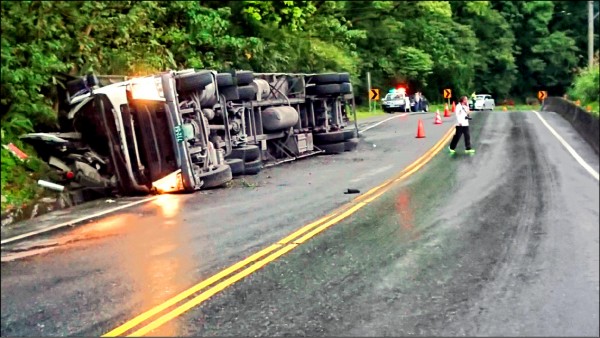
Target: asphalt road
x,y
504,242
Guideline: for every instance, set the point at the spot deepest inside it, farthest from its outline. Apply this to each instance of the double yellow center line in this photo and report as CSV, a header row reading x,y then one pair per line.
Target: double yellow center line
x,y
227,277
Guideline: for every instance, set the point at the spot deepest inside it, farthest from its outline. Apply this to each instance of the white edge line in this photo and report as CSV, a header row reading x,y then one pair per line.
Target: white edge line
x,y
380,122
61,225
572,151
64,224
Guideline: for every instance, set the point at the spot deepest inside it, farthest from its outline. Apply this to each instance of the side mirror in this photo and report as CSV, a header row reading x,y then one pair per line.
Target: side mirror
x,y
92,80
75,88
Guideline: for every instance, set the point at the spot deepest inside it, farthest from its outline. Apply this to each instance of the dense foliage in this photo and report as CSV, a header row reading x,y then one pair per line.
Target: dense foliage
x,y
503,48
586,87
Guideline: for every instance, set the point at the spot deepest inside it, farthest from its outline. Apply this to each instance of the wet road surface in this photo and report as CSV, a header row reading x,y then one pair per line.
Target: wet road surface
x,y
504,242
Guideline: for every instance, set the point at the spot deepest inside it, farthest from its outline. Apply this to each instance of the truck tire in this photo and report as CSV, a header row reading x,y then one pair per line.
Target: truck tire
x,y
224,80
216,178
349,133
346,88
253,168
333,148
245,153
326,78
344,77
247,93
351,144
324,89
237,166
194,81
231,93
244,77
328,138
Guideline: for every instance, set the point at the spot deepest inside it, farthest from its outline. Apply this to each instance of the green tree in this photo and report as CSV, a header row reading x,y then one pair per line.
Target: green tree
x,y
495,68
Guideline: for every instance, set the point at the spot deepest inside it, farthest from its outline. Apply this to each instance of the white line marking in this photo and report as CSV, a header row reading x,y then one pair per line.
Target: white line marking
x,y
64,224
378,123
569,148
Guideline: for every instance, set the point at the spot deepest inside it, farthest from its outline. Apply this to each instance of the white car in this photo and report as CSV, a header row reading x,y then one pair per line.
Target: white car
x,y
482,102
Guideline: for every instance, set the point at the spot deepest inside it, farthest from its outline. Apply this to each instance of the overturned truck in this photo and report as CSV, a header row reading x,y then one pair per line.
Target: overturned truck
x,y
193,129
276,117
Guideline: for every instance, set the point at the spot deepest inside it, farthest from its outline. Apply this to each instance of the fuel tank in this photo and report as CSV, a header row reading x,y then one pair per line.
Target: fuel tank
x,y
279,118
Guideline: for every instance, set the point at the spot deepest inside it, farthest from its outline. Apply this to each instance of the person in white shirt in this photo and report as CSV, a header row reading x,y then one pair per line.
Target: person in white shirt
x,y
462,126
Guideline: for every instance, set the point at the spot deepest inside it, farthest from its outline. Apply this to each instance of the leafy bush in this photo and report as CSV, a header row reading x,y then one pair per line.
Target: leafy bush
x,y
586,86
18,181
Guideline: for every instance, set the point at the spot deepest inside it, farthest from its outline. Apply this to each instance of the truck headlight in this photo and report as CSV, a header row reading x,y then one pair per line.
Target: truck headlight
x,y
170,183
148,88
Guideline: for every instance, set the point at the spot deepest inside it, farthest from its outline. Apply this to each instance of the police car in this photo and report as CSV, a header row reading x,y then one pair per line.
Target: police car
x,y
396,100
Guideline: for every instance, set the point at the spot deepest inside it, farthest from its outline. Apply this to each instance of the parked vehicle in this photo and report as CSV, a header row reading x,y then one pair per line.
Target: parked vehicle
x,y
482,102
396,100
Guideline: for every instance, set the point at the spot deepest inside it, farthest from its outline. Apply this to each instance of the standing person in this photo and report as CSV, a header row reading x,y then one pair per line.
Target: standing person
x,y
462,126
418,101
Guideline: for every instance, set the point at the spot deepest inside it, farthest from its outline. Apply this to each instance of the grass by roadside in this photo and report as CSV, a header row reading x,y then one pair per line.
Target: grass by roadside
x,y
363,113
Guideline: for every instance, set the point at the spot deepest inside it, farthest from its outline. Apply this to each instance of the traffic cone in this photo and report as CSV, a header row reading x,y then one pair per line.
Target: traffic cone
x,y
438,119
453,107
420,130
446,112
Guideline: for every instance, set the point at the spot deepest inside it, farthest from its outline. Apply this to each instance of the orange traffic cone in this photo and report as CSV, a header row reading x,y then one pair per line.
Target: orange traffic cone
x,y
420,130
453,107
438,119
446,112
